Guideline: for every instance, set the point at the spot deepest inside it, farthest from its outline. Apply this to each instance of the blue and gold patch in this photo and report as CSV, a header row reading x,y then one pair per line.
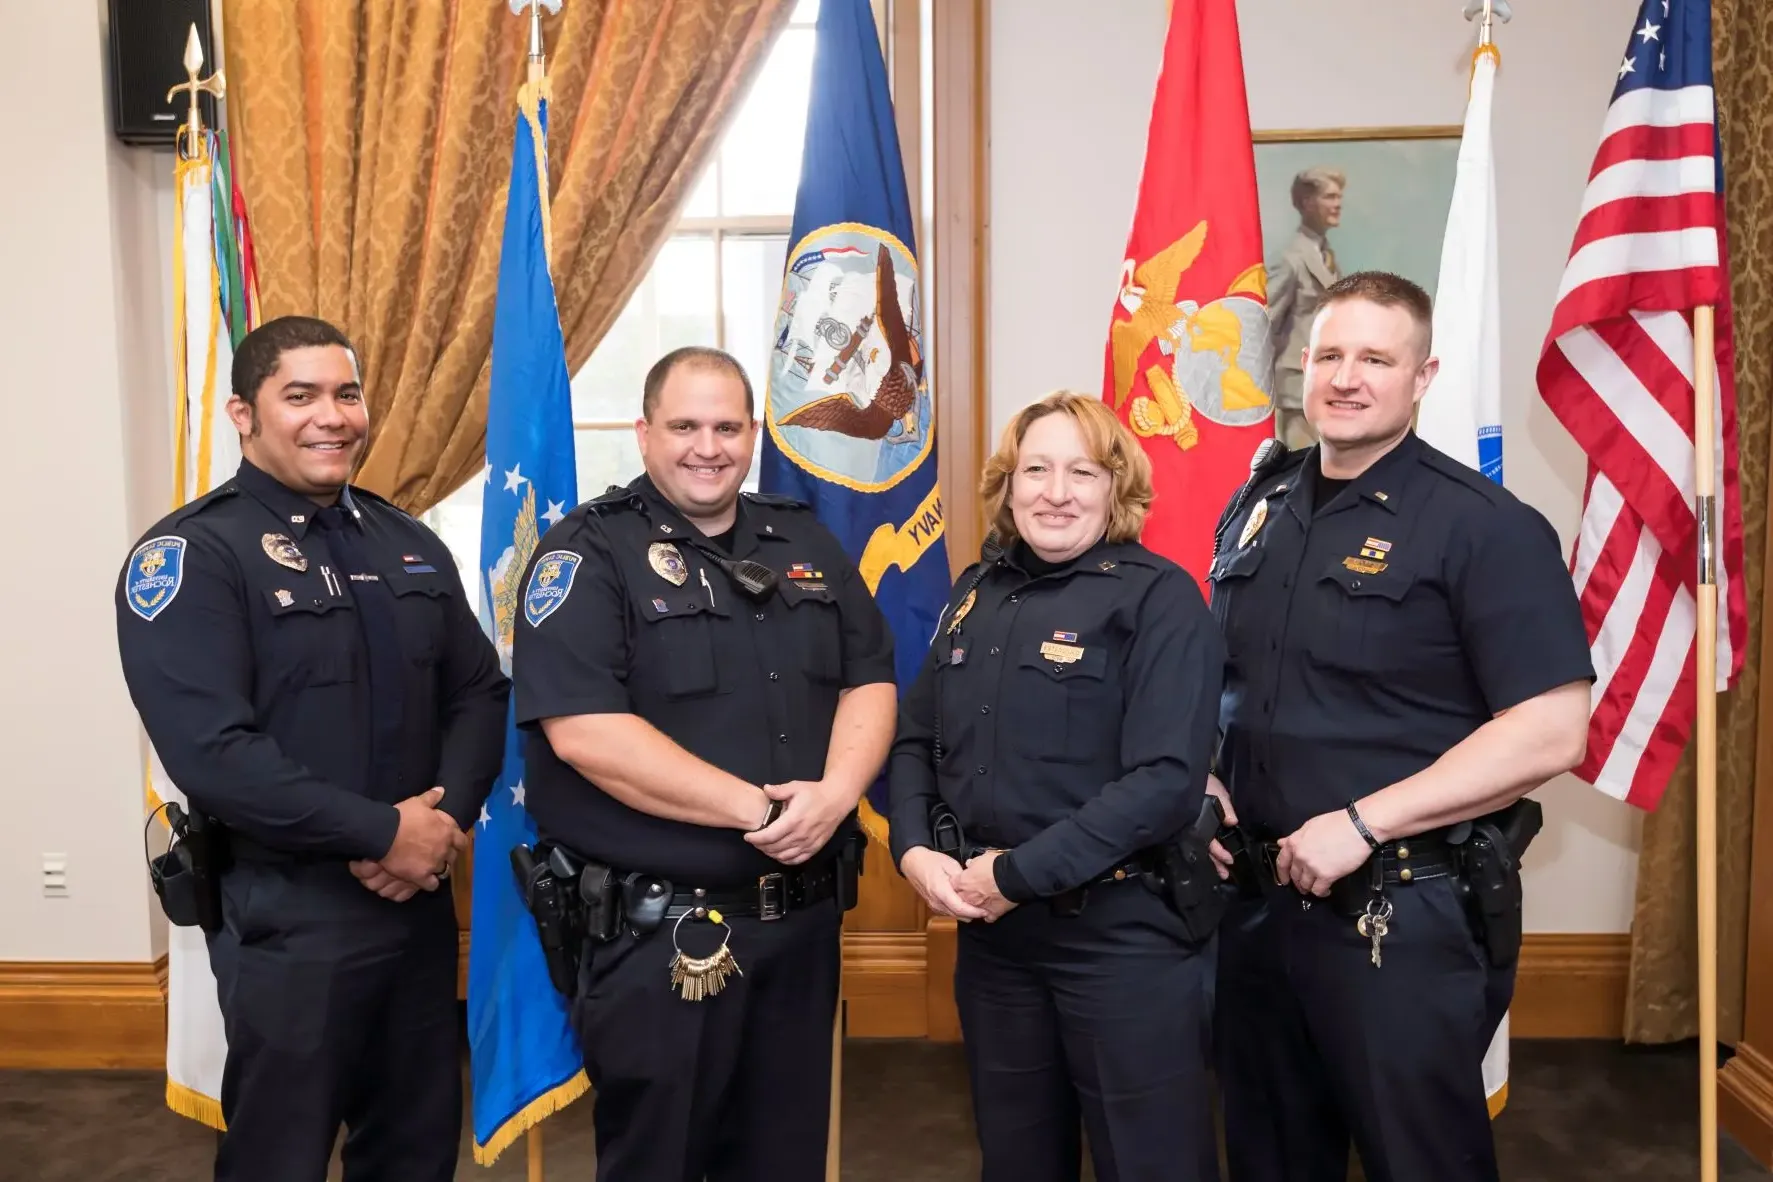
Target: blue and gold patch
x,y
155,571
549,583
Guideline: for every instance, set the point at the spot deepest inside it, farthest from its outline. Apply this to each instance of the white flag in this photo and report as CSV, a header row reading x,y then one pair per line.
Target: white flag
x,y
212,285
1462,412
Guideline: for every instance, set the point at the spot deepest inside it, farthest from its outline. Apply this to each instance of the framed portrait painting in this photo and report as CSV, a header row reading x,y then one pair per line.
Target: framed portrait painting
x,y
1334,202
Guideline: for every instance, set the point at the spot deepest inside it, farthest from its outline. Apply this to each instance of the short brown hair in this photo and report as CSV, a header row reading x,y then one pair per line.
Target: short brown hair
x,y
1388,291
699,357
1109,444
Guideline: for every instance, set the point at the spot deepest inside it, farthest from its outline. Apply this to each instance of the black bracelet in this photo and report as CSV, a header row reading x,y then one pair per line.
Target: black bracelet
x,y
1361,825
771,813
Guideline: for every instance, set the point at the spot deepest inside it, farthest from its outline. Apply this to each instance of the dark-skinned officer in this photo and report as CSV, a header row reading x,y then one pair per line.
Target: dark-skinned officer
x,y
700,738
304,661
1407,661
1065,719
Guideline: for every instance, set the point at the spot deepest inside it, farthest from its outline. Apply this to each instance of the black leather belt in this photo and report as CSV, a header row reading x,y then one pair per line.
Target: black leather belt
x,y
771,897
1071,902
1405,860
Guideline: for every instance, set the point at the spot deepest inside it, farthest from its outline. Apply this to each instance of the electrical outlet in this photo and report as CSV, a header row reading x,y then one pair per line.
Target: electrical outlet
x,y
55,876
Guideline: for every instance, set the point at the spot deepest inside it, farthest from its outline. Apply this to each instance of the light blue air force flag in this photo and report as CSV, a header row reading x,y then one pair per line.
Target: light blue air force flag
x,y
851,425
526,1063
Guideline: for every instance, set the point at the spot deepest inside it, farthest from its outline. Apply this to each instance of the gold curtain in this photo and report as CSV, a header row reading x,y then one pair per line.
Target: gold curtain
x,y
375,146
1662,1002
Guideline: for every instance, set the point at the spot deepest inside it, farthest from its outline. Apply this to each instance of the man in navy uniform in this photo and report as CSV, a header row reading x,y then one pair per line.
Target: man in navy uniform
x,y
305,663
1407,660
701,737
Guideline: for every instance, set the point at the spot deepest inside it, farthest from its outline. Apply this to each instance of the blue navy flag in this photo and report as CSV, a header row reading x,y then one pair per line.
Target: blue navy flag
x,y
851,424
525,1060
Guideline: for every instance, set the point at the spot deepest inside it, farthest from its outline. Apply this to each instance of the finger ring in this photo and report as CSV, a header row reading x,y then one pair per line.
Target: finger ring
x,y
443,871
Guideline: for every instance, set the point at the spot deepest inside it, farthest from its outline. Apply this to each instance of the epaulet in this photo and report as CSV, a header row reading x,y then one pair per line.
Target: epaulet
x,y
221,493
615,499
379,501
776,501
1439,461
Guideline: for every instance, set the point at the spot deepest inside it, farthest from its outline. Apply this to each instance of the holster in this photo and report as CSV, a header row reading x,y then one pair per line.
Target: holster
x,y
188,876
548,881
1185,877
946,831
850,858
1490,858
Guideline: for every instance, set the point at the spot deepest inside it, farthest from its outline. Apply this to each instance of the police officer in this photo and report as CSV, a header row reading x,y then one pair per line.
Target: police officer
x,y
707,687
1063,723
305,665
1407,660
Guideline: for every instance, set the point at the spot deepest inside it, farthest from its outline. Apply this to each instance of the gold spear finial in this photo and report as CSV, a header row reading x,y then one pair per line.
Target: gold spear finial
x,y
215,84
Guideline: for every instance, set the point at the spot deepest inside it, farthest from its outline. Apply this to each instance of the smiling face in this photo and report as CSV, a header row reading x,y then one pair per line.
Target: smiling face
x,y
307,424
1059,495
1366,368
696,443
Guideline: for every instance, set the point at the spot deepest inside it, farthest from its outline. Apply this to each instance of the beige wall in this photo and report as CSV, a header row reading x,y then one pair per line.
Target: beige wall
x,y
1070,94
83,314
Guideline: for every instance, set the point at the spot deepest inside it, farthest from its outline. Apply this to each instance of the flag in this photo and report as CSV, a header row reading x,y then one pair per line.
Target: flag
x,y
850,420
1189,362
1462,413
215,304
1617,370
525,1061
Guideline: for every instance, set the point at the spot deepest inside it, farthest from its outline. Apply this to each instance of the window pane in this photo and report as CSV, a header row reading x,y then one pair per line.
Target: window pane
x,y
751,287
704,199
605,458
456,519
760,155
674,305
805,13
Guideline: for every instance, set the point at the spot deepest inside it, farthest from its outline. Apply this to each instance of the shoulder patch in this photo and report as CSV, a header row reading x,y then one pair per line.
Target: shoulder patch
x,y
156,570
550,581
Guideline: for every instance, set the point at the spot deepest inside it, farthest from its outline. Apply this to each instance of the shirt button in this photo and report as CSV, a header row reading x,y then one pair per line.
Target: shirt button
x,y
773,677
781,738
1354,584
984,710
994,649
760,615
1286,582
1013,598
980,769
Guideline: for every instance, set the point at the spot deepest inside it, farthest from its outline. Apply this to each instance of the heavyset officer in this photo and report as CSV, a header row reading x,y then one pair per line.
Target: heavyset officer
x,y
1407,660
1065,717
306,666
701,739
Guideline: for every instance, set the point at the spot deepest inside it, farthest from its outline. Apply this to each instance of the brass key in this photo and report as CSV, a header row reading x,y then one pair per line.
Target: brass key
x,y
1374,925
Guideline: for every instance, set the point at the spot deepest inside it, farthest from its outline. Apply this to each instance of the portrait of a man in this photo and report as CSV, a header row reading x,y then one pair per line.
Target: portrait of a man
x,y
1297,280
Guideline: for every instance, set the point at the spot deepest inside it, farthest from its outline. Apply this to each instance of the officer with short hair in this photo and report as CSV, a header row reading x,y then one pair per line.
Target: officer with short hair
x,y
707,689
1407,661
307,668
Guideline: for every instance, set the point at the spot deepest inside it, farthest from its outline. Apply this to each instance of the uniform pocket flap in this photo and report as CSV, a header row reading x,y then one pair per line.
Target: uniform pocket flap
x,y
676,606
286,601
1360,580
1236,564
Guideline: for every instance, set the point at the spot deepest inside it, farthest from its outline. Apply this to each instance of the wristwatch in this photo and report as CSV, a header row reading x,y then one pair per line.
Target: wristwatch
x,y
770,815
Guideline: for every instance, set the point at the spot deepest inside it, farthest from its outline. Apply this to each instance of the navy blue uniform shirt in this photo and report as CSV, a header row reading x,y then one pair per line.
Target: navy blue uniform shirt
x,y
1077,708
238,627
635,619
1369,635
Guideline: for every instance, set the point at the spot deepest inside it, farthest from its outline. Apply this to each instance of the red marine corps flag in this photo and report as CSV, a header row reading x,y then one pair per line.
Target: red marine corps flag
x,y
1189,359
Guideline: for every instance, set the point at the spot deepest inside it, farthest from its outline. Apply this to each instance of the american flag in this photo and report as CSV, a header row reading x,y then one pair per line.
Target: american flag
x,y
1617,370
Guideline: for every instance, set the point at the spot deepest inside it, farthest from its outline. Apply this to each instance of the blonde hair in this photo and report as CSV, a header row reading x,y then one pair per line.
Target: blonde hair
x,y
1108,443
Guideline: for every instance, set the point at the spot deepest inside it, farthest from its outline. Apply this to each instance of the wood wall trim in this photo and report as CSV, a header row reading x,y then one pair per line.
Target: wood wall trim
x,y
1571,986
1745,1102
83,1015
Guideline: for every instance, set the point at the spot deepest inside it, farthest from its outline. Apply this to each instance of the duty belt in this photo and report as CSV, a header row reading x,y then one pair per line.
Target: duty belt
x,y
1405,860
771,897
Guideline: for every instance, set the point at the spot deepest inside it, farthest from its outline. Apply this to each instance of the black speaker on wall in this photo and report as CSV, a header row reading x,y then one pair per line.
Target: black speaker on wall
x,y
147,59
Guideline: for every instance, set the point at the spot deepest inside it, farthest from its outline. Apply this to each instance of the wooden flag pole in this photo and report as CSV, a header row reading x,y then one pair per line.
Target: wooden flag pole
x,y
834,1137
533,1139
1706,730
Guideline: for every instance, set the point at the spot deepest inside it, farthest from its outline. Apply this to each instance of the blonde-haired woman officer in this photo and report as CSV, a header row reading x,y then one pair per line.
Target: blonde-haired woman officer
x,y
1046,779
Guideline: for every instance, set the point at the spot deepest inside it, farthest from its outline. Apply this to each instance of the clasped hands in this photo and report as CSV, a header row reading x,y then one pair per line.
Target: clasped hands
x,y
1312,857
965,892
425,848
812,812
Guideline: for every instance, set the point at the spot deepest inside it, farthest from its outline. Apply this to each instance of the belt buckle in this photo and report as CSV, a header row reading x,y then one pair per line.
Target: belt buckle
x,y
772,895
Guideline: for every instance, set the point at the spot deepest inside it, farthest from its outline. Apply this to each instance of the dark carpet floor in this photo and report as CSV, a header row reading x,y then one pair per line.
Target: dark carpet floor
x,y
1578,1112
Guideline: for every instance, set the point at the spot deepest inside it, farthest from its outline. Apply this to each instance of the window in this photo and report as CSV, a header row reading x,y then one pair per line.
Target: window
x,y
716,281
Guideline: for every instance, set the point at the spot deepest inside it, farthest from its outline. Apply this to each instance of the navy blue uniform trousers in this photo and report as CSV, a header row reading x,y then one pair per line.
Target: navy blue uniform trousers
x,y
339,1008
1315,1045
1099,1019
